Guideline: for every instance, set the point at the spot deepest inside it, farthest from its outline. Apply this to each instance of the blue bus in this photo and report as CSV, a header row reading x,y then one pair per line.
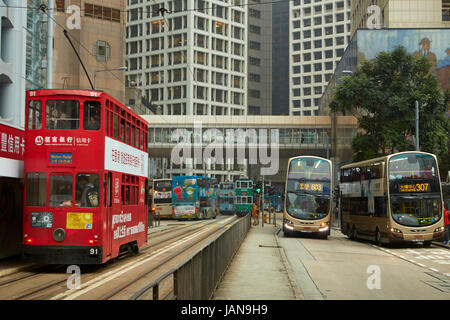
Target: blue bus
x,y
226,198
193,197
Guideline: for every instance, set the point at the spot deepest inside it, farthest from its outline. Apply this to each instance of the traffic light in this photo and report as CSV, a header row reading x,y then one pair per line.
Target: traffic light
x,y
258,188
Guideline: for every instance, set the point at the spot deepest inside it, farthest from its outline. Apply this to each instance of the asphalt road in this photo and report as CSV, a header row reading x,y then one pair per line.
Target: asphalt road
x,y
339,268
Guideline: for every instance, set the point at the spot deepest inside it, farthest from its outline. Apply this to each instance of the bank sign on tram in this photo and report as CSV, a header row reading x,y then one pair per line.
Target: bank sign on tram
x,y
118,155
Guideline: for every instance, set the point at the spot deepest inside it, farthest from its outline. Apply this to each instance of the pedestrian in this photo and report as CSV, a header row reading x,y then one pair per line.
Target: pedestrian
x,y
447,226
255,214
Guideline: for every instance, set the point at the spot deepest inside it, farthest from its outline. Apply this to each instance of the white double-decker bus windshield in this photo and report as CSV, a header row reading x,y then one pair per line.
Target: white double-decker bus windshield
x,y
162,191
308,189
414,189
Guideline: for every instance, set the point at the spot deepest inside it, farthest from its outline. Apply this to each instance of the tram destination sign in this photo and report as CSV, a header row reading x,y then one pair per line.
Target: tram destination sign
x,y
61,157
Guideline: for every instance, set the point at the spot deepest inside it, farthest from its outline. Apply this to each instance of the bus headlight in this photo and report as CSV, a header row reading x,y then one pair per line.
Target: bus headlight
x,y
323,227
396,230
288,224
440,229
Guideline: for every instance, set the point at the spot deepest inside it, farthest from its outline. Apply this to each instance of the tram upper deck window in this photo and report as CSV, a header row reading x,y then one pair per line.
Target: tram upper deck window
x,y
34,115
91,115
62,114
60,191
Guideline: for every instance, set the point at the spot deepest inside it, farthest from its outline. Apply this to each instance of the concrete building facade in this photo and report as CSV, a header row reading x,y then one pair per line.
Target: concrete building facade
x,y
189,57
99,39
22,66
416,14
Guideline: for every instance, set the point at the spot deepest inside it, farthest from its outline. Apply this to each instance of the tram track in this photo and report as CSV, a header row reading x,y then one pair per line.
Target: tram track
x,y
46,284
146,267
151,273
37,270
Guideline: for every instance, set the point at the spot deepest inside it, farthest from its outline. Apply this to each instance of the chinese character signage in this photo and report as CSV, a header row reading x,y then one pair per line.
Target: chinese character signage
x,y
12,143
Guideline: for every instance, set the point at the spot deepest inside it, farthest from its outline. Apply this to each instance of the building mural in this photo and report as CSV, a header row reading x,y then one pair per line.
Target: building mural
x,y
433,44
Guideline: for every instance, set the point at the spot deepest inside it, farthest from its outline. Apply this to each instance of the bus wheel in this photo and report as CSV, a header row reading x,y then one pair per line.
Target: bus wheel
x,y
355,233
426,244
350,232
378,238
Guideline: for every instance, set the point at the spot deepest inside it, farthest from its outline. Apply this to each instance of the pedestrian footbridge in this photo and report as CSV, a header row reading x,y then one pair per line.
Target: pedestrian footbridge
x,y
207,139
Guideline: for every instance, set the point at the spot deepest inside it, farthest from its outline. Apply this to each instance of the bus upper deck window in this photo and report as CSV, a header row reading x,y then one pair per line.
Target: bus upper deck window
x,y
91,115
34,115
62,114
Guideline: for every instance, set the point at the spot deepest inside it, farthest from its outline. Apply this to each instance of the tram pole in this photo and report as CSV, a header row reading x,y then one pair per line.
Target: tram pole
x,y
262,203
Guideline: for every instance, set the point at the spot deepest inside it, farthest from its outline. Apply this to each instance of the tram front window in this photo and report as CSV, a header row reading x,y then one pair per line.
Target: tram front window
x,y
62,114
86,190
413,211
60,191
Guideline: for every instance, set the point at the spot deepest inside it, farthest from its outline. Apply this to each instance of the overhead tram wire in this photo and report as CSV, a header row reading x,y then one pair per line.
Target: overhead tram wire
x,y
176,11
44,8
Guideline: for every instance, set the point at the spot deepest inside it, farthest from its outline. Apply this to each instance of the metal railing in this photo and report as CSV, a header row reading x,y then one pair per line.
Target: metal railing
x,y
197,277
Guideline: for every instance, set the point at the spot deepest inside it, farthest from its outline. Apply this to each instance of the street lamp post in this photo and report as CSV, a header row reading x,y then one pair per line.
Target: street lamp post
x,y
96,71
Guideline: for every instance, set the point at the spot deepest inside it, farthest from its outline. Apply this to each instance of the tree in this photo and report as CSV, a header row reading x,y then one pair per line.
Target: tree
x,y
382,94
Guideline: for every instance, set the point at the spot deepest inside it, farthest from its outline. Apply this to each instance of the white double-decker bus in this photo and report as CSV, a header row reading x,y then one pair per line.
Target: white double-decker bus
x,y
162,198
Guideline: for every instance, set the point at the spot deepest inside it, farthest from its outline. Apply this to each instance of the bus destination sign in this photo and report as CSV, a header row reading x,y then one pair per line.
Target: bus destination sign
x,y
310,186
415,187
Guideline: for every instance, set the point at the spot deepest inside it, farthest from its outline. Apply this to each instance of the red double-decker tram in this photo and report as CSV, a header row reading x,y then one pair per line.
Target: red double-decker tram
x,y
86,169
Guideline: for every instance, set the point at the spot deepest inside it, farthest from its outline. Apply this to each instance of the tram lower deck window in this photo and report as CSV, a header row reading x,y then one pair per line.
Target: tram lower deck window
x,y
36,189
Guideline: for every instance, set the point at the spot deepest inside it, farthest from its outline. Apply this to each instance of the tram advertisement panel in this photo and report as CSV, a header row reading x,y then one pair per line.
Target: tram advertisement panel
x,y
126,159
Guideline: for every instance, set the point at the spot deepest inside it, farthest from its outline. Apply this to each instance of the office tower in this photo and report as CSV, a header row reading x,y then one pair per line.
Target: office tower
x,y
259,58
189,57
280,58
319,33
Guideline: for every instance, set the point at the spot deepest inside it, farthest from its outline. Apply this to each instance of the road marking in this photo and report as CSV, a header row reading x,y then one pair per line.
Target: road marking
x,y
422,265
